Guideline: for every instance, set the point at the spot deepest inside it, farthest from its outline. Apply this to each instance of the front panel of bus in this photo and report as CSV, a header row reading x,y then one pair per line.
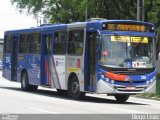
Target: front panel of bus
x,y
126,59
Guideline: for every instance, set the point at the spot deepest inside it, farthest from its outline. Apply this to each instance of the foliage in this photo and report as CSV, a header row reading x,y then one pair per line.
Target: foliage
x,y
66,11
153,15
74,10
158,84
32,6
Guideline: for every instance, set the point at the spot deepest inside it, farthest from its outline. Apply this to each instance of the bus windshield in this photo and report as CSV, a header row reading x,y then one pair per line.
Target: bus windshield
x,y
126,51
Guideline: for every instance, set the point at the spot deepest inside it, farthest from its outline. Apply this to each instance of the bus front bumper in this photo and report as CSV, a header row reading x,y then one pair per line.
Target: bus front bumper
x,y
107,88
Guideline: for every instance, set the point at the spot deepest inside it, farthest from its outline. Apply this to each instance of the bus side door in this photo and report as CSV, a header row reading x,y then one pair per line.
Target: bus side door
x,y
46,59
6,73
90,56
14,47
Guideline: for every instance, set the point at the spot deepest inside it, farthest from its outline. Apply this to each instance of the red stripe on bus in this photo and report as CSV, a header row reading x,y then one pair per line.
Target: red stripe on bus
x,y
114,76
47,72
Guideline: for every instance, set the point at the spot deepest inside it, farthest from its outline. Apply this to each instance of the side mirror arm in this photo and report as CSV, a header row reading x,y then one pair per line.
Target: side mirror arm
x,y
99,40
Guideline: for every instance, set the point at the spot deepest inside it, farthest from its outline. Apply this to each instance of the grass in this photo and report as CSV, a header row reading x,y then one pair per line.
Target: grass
x,y
158,87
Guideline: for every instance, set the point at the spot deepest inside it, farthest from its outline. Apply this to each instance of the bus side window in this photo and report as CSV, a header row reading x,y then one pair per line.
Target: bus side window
x,y
35,43
76,42
24,43
7,44
48,44
60,42
71,45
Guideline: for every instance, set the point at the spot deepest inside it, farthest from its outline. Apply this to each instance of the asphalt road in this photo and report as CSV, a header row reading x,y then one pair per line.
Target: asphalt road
x,y
46,101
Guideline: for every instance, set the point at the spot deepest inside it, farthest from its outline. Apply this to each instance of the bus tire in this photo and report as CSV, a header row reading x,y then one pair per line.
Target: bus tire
x,y
25,83
74,89
121,98
33,88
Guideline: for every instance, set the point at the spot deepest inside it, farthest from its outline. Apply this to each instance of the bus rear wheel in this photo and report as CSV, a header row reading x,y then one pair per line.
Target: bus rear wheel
x,y
74,89
120,98
25,83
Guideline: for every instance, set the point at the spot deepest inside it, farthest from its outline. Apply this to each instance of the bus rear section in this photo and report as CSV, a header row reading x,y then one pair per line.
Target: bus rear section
x,y
21,58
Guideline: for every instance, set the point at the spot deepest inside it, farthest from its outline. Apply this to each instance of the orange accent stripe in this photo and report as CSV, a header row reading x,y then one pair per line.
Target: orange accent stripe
x,y
115,76
47,73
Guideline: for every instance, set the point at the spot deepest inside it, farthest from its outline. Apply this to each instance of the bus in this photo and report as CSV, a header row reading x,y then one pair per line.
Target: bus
x,y
113,57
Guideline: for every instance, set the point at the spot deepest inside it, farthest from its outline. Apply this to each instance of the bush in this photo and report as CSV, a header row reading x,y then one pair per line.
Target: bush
x,y
158,87
158,77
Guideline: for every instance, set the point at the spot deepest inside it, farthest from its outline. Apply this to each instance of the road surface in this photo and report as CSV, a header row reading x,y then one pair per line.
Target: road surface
x,y
45,101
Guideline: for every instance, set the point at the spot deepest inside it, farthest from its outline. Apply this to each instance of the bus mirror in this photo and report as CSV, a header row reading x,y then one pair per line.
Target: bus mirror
x,y
99,35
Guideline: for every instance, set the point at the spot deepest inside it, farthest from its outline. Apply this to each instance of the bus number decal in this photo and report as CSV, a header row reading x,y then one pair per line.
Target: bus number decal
x,y
8,59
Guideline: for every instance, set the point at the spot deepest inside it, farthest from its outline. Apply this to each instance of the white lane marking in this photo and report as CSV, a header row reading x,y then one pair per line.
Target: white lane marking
x,y
42,110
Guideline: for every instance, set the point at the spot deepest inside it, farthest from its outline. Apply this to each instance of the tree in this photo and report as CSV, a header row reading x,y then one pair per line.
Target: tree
x,y
74,10
66,11
56,10
32,6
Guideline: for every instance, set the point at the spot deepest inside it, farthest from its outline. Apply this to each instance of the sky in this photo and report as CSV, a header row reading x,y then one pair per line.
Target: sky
x,y
10,18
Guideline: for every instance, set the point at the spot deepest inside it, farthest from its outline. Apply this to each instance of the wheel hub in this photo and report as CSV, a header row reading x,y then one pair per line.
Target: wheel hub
x,y
23,82
75,87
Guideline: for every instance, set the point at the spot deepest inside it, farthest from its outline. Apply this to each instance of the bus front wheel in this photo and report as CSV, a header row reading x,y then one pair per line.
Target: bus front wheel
x,y
74,89
120,98
25,83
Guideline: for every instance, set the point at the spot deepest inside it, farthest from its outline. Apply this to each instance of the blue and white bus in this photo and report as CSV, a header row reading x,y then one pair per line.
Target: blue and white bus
x,y
114,57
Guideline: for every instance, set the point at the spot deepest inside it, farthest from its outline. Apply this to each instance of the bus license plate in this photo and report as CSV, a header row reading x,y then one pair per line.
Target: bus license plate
x,y
130,88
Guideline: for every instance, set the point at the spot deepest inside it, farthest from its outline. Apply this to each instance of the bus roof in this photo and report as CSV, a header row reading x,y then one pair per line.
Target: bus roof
x,y
60,26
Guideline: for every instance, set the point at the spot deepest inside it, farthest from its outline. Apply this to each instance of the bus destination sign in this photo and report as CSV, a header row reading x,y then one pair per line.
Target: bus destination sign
x,y
127,27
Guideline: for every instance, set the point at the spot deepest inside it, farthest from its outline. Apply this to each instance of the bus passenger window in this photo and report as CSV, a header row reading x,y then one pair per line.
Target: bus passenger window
x,y
35,43
48,44
24,43
7,44
76,42
60,42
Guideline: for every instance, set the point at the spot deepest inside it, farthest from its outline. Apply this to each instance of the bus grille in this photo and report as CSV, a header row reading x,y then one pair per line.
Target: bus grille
x,y
130,89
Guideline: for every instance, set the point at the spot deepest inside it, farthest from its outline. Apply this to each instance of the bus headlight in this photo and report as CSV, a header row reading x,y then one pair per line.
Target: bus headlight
x,y
154,78
102,76
107,79
147,82
112,81
151,80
